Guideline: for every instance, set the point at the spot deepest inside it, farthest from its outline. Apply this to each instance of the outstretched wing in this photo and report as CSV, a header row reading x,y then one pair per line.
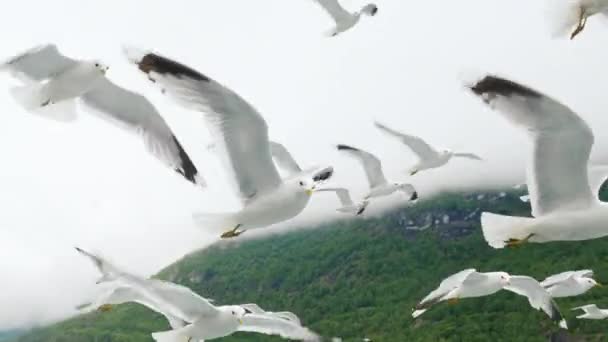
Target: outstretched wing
x,y
446,286
343,195
371,164
239,131
467,155
538,297
37,64
282,325
133,112
556,279
108,271
591,309
283,158
335,10
557,175
416,144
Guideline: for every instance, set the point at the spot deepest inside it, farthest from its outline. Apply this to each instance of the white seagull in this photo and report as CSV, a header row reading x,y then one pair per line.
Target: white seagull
x,y
428,156
284,160
378,184
470,283
591,312
191,316
348,206
241,140
569,284
570,16
343,18
53,83
564,206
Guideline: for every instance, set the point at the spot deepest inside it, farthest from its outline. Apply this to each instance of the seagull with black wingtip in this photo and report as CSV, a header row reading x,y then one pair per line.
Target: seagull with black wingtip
x,y
241,141
378,184
344,19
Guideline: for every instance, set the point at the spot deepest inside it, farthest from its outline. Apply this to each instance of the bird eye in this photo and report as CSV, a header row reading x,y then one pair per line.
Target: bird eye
x,y
301,183
96,64
233,313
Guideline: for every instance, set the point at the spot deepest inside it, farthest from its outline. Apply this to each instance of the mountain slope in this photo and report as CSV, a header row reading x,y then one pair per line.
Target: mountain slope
x,y
361,278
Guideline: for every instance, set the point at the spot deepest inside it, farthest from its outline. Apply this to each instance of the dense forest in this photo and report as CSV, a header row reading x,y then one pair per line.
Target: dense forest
x,y
361,278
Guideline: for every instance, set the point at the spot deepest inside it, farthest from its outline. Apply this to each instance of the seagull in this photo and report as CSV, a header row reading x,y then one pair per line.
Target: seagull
x,y
591,312
428,156
344,19
53,83
284,160
469,284
571,15
569,284
191,316
564,206
348,206
378,184
241,140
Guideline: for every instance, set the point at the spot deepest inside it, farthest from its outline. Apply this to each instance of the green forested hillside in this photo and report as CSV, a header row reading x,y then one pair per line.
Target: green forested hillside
x,y
361,278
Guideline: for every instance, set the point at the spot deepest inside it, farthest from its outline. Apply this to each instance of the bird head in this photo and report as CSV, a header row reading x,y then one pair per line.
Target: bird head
x,y
236,312
370,9
504,278
101,67
592,283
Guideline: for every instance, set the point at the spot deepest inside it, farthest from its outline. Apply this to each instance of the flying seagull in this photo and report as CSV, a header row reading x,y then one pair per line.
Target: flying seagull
x,y
569,284
284,160
570,16
191,316
378,184
344,19
241,141
591,312
470,283
348,206
428,156
53,83
564,206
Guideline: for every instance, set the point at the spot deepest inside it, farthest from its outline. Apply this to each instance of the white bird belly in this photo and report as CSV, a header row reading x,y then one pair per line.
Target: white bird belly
x,y
272,209
560,291
211,328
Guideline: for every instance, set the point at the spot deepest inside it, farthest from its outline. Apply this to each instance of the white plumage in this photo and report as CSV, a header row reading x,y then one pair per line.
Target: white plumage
x,y
53,82
428,156
470,283
564,205
190,315
240,137
348,206
378,184
591,311
344,19
570,283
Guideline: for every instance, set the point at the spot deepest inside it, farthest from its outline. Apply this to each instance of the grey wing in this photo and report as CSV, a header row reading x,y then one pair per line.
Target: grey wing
x,y
343,195
37,64
272,325
420,147
108,271
283,158
371,164
239,131
584,273
557,175
135,113
591,309
334,9
537,296
179,300
468,155
446,286
556,279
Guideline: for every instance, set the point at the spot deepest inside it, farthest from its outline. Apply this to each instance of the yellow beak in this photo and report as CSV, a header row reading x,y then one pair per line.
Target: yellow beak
x,y
599,285
240,321
309,191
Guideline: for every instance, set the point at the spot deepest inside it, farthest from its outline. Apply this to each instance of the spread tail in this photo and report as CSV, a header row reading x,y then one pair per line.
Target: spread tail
x,y
33,98
499,228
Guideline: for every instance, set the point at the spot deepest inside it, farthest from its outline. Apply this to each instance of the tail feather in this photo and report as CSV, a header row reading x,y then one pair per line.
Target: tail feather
x,y
499,228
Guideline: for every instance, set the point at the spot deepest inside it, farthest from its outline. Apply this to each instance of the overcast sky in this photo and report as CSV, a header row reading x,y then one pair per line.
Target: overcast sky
x,y
89,184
